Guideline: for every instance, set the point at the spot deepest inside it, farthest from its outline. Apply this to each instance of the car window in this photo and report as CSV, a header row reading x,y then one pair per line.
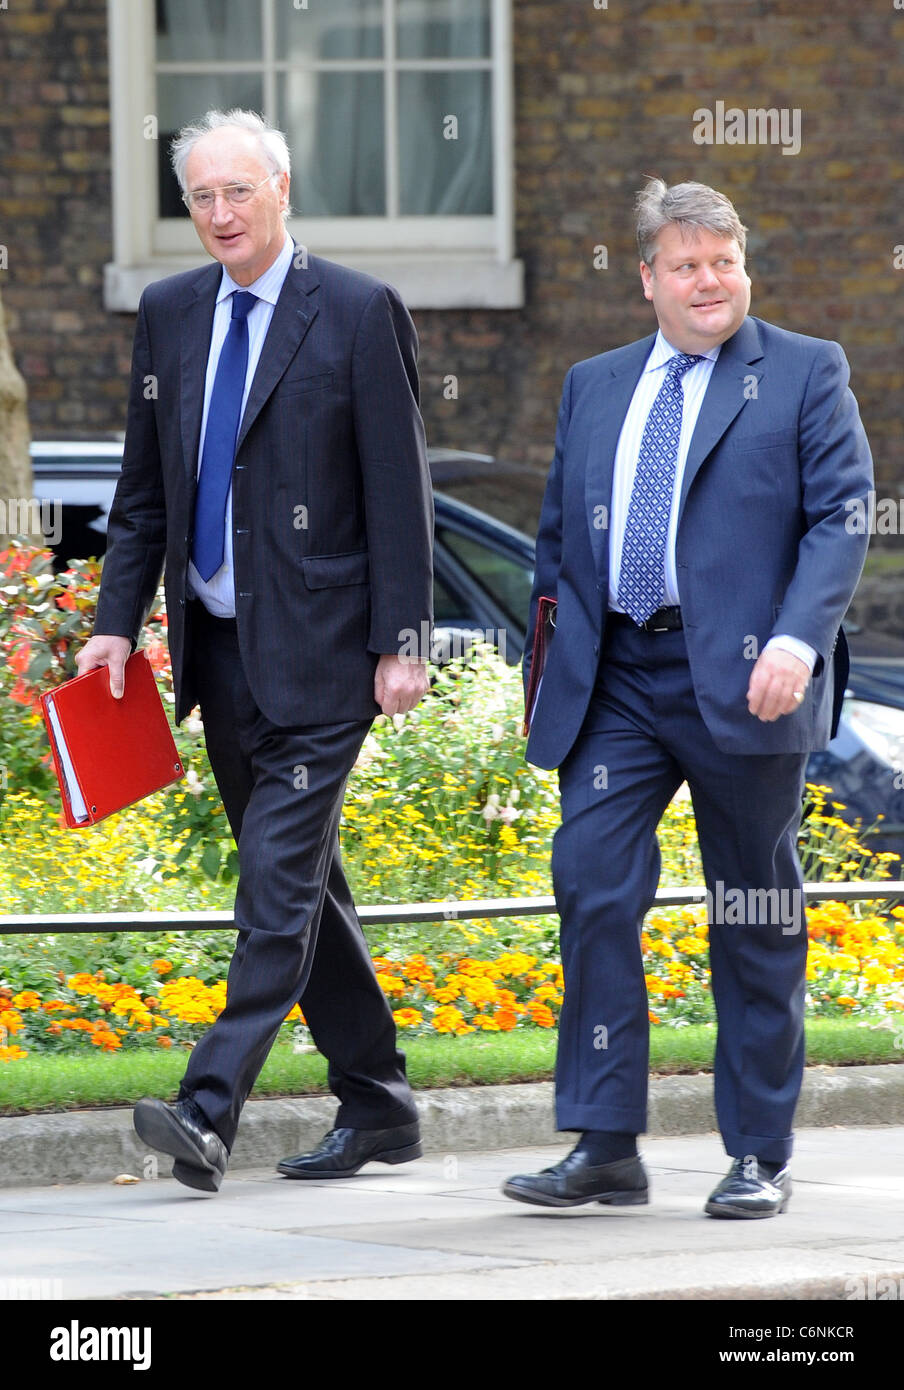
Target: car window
x,y
875,620
507,580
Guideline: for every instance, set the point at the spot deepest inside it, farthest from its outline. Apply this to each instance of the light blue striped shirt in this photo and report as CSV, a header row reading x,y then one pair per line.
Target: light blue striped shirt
x,y
218,593
694,384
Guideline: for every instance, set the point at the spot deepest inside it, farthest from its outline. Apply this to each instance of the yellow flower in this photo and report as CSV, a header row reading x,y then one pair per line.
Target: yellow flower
x,y
450,1020
408,1018
27,999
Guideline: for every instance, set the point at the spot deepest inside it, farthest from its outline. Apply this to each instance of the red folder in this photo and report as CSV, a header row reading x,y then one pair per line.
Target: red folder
x,y
109,753
543,631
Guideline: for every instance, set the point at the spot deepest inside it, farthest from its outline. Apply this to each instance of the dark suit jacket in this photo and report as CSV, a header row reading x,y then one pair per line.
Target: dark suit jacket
x,y
332,505
762,547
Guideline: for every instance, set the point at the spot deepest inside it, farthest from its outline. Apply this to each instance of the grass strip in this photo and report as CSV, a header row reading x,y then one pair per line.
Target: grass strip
x,y
58,1082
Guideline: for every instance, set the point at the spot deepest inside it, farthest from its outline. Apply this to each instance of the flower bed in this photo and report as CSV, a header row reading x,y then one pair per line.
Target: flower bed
x,y
855,967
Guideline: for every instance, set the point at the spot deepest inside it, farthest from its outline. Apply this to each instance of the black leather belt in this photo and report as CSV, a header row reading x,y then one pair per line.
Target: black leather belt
x,y
663,620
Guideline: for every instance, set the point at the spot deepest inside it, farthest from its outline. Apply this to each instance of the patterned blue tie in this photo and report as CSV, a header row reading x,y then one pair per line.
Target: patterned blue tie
x,y
641,583
223,416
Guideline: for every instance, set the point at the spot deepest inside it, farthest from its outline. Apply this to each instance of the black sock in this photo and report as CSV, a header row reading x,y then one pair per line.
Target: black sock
x,y
607,1145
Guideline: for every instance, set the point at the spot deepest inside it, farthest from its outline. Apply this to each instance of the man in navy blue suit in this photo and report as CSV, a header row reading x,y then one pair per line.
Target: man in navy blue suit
x,y
693,536
274,459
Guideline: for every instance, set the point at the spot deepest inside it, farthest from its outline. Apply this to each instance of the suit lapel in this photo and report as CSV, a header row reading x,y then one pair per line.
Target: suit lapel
x,y
616,386
293,315
731,385
197,323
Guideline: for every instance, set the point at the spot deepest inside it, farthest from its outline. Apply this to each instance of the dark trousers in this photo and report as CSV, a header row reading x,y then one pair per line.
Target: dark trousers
x,y
643,735
299,939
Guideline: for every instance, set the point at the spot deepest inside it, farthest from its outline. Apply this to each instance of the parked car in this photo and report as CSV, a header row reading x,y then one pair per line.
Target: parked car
x,y
486,516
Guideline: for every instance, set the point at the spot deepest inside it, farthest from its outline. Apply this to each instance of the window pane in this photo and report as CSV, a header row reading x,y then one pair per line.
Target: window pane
x,y
505,578
445,143
181,100
334,124
444,28
333,29
208,30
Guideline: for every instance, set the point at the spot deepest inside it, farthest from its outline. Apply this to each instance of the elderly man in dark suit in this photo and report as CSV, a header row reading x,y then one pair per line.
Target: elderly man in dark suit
x,y
693,534
274,459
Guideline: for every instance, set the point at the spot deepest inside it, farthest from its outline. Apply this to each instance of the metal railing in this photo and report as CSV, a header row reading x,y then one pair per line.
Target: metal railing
x,y
450,910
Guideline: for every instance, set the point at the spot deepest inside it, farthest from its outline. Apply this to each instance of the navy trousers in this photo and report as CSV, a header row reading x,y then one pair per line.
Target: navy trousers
x,y
642,737
299,939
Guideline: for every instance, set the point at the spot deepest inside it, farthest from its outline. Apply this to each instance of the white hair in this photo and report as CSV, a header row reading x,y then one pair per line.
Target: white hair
x,y
691,207
272,142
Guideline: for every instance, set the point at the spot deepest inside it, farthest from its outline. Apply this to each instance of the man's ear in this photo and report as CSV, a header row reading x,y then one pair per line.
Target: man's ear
x,y
646,275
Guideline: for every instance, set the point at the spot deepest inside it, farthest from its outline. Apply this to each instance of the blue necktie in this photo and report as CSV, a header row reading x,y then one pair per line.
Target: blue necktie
x,y
223,416
641,583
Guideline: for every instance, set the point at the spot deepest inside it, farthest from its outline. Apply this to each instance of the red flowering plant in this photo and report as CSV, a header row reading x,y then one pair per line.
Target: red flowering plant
x,y
45,618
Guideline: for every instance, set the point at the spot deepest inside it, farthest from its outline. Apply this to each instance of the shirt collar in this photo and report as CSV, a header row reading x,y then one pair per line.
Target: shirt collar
x,y
266,286
662,352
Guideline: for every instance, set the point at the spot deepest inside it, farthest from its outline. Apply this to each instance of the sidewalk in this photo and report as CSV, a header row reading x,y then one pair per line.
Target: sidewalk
x,y
440,1229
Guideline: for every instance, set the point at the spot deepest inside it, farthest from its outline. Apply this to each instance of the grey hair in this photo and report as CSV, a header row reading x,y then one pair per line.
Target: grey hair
x,y
272,142
691,206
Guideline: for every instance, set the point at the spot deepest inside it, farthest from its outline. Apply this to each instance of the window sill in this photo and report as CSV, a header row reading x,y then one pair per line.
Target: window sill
x,y
426,281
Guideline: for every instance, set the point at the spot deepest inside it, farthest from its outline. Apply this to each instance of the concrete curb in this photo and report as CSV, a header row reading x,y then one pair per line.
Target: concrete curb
x,y
82,1146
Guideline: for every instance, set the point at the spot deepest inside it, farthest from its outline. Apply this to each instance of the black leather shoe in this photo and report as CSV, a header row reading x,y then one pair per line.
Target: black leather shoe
x,y
745,1193
183,1130
575,1182
342,1152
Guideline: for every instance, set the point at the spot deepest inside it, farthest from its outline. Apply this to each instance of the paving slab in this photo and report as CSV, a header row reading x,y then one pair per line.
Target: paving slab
x,y
440,1229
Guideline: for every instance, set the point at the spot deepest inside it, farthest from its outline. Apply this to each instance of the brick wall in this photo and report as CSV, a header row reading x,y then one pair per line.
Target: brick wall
x,y
603,96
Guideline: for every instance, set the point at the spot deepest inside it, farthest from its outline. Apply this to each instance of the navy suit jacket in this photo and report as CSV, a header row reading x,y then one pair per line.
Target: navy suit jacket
x,y
762,547
332,503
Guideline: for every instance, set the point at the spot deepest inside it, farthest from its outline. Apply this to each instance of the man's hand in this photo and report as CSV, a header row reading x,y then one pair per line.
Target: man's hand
x,y
774,680
398,684
106,651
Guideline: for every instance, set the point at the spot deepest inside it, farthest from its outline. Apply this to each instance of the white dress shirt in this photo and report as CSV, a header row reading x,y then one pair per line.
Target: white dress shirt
x,y
218,593
693,383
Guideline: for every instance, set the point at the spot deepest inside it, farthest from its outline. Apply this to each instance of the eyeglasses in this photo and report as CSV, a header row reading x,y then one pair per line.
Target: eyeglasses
x,y
203,199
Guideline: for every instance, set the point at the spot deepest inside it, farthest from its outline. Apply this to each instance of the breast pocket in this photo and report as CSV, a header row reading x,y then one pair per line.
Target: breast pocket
x,y
767,439
295,385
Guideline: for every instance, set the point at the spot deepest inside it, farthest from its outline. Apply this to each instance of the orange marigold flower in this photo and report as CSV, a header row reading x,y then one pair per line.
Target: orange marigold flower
x,y
12,1054
449,1020
390,984
163,967
164,1041
542,1015
11,1020
407,1018
27,999
506,1018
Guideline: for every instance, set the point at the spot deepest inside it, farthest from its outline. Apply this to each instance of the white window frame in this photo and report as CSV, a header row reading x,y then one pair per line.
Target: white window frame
x,y
435,262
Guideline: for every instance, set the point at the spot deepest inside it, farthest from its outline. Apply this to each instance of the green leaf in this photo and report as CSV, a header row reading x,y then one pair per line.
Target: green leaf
x,y
39,664
210,860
